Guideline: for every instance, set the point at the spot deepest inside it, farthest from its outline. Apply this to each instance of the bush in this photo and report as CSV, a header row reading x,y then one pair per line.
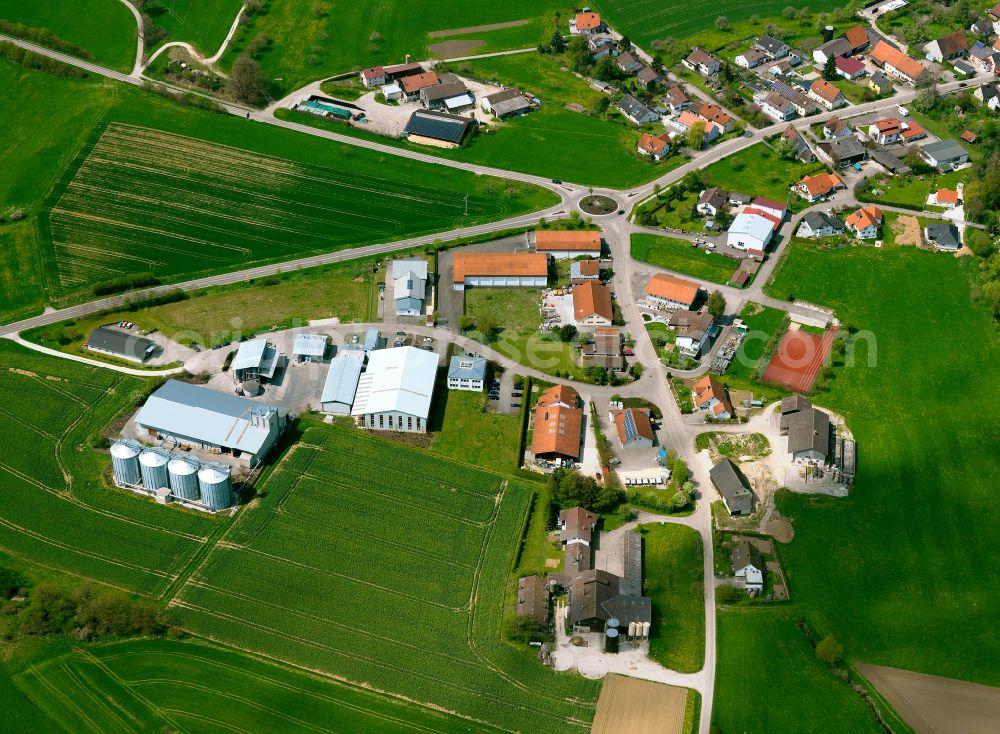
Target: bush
x,y
11,581
726,594
125,283
829,650
31,60
16,216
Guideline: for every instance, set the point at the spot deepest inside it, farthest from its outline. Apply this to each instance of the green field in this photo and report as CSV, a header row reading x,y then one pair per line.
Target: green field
x,y
763,323
673,567
55,510
518,309
166,685
202,23
758,171
769,680
645,21
396,583
313,40
915,540
472,433
680,257
105,28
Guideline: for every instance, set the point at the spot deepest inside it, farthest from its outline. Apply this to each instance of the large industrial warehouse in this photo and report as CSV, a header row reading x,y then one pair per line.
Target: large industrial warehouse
x,y
190,415
500,270
395,391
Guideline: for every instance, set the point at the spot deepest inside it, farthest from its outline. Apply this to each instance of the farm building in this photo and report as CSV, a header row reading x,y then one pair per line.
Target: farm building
x,y
394,392
808,429
187,414
255,360
341,385
568,243
605,351
409,286
440,129
533,598
506,103
576,525
580,271
558,425
733,487
499,270
666,290
635,430
121,344
453,96
309,347
592,304
467,373
751,231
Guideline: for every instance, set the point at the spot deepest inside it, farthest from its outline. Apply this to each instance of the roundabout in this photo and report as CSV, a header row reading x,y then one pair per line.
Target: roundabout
x,y
598,205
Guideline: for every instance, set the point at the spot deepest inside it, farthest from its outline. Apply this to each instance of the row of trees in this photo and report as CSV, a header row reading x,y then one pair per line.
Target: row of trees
x,y
31,60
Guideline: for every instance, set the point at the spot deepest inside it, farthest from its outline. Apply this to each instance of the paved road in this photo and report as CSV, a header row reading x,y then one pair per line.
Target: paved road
x,y
139,39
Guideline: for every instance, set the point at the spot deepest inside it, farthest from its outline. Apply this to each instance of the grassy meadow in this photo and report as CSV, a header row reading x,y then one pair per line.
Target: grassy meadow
x,y
915,540
104,28
202,23
470,432
680,257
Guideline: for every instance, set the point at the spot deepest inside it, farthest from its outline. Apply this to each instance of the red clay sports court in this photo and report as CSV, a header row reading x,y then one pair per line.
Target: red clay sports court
x,y
798,359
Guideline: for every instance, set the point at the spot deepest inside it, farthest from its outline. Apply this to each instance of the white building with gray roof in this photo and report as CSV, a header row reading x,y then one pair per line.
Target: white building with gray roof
x,y
467,373
395,391
341,385
409,286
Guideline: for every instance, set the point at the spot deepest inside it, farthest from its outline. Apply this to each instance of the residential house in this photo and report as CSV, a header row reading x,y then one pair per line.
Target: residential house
x,y
985,58
880,84
738,199
802,150
557,429
655,146
647,77
467,373
576,525
628,63
842,152
820,186
677,100
372,77
580,271
836,128
533,599
848,67
831,50
993,15
733,487
858,38
943,236
777,107
751,59
605,351
865,222
415,82
452,96
711,201
947,47
947,198
945,154
982,28
585,24
803,103
809,433
636,111
772,47
671,292
409,286
694,331
889,162
748,567
895,63
780,68
562,243
634,428
886,131
828,95
989,95
710,396
686,120
600,45
820,224
592,304
702,61
506,103
715,115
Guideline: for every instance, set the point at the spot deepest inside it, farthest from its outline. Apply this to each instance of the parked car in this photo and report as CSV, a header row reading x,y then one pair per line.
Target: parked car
x,y
515,405
428,338
516,394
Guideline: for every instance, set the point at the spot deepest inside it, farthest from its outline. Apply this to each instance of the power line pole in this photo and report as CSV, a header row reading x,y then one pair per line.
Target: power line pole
x,y
466,198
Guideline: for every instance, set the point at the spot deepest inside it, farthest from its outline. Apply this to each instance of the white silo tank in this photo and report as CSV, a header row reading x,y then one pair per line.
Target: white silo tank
x,y
631,628
645,629
183,473
153,464
125,463
216,486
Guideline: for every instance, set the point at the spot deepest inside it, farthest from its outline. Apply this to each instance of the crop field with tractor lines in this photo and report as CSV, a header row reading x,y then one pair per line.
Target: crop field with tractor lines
x,y
54,509
138,200
385,566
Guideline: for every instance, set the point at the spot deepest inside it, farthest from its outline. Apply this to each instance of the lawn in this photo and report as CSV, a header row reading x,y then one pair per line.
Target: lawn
x,y
471,433
169,685
517,309
313,40
397,584
758,171
202,23
763,324
543,351
914,541
680,257
766,659
674,570
105,28
55,509
912,191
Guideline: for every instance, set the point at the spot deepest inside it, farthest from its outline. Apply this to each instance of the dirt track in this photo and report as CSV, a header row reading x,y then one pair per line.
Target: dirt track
x,y
633,706
935,705
477,29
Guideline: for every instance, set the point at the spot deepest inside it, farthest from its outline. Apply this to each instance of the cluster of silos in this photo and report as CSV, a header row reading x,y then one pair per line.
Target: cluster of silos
x,y
187,479
615,632
637,630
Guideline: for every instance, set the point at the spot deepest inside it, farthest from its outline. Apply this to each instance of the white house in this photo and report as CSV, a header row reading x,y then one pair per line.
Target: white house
x,y
945,154
694,330
774,48
711,201
777,107
394,392
820,224
702,61
751,59
409,285
636,111
748,566
467,373
865,222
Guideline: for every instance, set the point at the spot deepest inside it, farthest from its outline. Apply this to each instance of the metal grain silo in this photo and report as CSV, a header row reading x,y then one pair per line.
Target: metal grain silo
x,y
611,640
216,486
183,473
125,463
153,464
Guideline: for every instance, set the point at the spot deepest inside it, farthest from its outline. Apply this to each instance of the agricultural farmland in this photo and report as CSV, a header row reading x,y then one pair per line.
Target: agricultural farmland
x,y
140,200
182,686
396,583
54,509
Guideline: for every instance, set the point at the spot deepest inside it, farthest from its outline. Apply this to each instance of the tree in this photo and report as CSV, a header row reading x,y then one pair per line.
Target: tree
x,y
578,53
726,594
679,472
786,149
464,323
601,104
247,82
558,42
696,135
830,69
829,650
625,44
716,303
11,581
722,23
789,12
566,332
